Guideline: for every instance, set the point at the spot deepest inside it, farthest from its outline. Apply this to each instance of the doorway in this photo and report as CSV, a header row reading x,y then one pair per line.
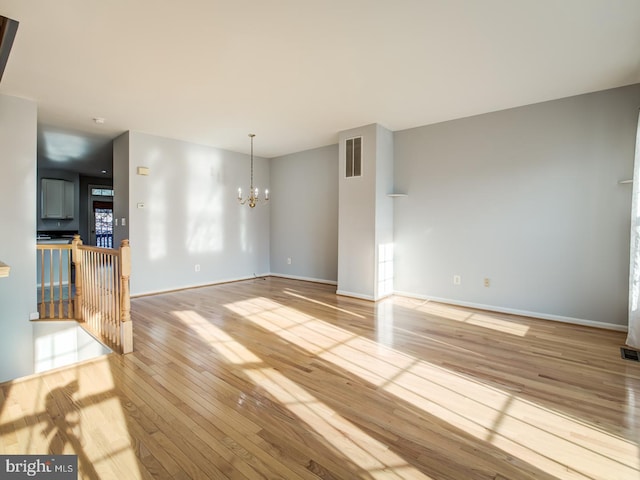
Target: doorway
x,y
101,216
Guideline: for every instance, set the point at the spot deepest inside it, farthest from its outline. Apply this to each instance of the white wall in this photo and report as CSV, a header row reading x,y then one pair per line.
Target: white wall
x,y
191,215
18,119
365,240
384,206
304,214
528,197
61,343
365,232
356,218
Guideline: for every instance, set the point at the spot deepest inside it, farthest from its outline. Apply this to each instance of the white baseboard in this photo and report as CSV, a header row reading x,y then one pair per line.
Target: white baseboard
x,y
364,297
449,301
355,295
197,285
304,279
522,313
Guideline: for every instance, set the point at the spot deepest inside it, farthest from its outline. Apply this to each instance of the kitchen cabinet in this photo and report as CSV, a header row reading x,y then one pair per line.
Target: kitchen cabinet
x,y
58,198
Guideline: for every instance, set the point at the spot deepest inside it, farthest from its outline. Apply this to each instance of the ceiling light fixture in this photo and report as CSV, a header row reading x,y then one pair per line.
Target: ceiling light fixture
x,y
253,197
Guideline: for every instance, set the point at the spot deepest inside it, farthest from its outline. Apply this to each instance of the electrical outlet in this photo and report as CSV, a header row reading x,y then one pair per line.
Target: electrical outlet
x,y
289,261
487,282
197,267
457,280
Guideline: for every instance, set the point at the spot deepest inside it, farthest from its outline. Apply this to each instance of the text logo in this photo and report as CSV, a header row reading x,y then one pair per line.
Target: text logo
x,y
51,467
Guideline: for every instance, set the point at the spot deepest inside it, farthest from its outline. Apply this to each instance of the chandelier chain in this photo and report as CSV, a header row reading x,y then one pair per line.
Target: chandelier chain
x,y
252,135
253,198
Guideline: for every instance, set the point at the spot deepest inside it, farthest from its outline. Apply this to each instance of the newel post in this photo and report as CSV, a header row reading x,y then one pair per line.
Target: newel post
x,y
126,327
77,262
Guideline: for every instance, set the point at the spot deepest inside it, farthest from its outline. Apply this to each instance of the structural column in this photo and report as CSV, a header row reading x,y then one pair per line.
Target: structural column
x,y
365,213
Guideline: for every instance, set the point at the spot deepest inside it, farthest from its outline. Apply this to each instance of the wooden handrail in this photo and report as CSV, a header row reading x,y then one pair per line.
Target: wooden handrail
x,y
77,262
126,327
102,292
55,282
95,292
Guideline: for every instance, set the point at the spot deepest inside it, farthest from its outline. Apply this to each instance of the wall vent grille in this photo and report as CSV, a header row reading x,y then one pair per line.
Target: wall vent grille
x,y
629,354
354,157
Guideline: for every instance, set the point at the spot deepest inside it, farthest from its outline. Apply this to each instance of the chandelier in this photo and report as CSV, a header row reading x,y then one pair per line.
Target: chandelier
x,y
253,197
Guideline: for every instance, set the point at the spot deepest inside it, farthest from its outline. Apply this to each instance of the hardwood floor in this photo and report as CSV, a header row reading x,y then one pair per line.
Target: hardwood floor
x,y
274,378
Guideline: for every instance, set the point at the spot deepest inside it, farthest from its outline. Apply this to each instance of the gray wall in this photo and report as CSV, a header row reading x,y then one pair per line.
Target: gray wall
x,y
191,215
120,188
18,119
528,197
304,214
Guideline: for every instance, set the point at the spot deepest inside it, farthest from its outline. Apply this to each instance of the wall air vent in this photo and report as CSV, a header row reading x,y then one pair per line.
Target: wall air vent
x,y
354,157
629,354
8,29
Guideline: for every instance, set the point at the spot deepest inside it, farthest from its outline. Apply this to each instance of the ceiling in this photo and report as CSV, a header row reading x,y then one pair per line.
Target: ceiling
x,y
296,73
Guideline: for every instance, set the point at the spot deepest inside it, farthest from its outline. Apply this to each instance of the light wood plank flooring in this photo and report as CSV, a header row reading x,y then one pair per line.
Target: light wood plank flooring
x,y
280,379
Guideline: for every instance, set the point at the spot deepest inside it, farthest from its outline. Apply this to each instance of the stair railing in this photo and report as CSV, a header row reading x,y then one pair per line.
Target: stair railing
x,y
90,285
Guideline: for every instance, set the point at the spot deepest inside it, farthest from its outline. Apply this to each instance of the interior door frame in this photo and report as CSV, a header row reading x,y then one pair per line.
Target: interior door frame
x,y
92,218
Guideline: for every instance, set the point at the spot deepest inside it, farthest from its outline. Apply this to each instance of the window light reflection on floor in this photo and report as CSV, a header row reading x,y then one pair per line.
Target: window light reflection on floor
x,y
360,448
291,293
233,351
549,440
484,320
344,437
89,421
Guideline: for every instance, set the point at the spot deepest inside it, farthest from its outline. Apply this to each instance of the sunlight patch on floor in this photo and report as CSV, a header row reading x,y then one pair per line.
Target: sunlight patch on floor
x,y
547,439
232,350
328,342
361,449
81,409
291,293
484,320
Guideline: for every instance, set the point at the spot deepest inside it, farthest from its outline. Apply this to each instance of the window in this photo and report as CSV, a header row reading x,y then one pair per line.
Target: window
x,y
102,192
103,214
354,157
